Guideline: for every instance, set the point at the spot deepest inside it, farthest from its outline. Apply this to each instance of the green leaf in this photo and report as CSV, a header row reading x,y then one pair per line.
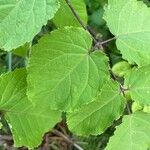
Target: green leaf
x,y
94,118
65,17
138,83
129,22
132,134
21,20
63,73
27,123
22,50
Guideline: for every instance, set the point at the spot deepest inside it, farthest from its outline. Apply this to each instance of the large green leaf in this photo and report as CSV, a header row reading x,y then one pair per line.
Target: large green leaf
x,y
65,17
132,134
94,118
21,20
28,124
129,21
62,71
138,83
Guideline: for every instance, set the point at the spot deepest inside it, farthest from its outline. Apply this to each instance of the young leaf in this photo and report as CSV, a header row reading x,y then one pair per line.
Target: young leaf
x,y
65,17
132,134
62,71
129,21
20,21
138,83
27,123
94,118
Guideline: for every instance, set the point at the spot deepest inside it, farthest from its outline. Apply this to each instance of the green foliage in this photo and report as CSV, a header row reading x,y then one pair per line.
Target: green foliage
x,y
132,134
22,50
65,17
67,69
138,83
131,29
27,123
20,21
65,59
136,107
95,118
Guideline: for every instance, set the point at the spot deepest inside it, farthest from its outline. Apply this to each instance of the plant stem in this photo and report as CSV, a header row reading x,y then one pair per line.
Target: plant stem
x,y
28,54
87,28
56,132
9,61
75,14
128,109
127,105
80,21
99,44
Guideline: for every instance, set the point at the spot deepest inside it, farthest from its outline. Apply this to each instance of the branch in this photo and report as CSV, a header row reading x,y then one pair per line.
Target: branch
x,y
127,105
87,28
6,138
99,44
75,14
80,21
9,61
56,132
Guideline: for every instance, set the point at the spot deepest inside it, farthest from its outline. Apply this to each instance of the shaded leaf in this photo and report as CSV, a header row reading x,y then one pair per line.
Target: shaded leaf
x,y
27,123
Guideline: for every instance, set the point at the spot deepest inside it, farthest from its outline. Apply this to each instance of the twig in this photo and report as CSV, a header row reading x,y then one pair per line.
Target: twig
x,y
128,109
80,21
75,14
62,129
6,138
127,105
9,61
56,132
122,90
99,44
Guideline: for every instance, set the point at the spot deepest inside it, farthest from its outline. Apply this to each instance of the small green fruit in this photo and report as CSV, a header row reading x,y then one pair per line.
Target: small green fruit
x,y
136,106
121,68
146,109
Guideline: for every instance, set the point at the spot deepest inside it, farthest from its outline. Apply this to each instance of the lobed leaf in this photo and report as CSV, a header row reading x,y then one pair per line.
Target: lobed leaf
x,y
132,134
129,22
70,75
